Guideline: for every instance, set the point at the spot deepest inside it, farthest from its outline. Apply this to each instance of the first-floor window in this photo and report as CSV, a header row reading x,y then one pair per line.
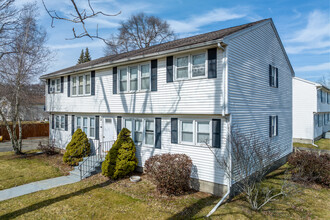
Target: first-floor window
x,y
57,121
273,126
129,125
92,127
187,131
319,120
203,132
85,128
150,130
138,131
62,122
78,122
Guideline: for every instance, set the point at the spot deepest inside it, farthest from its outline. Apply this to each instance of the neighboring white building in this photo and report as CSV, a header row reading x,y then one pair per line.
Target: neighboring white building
x,y
311,110
174,95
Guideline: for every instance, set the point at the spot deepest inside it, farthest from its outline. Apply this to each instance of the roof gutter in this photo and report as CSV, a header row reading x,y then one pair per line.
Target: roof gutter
x,y
136,58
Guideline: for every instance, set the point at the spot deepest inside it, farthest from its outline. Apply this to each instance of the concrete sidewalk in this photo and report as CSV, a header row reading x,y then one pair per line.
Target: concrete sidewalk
x,y
28,144
37,186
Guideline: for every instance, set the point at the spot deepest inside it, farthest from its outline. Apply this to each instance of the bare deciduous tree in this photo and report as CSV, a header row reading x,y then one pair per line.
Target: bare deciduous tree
x,y
325,80
28,58
246,163
7,25
139,31
79,16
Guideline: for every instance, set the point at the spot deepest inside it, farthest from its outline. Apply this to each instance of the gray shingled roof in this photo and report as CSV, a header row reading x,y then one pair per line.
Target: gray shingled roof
x,y
159,47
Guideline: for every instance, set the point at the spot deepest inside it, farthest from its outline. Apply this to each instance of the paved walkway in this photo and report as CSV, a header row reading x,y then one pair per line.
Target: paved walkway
x,y
37,186
28,144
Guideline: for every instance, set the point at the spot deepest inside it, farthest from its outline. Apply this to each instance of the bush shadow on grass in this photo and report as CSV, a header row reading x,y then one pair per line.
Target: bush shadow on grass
x,y
48,202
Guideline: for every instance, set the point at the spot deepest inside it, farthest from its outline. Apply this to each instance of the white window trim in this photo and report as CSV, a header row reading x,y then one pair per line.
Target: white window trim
x,y
190,55
84,85
58,84
53,88
139,78
194,143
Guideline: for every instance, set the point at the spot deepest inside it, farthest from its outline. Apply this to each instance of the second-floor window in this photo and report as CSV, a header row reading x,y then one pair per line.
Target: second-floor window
x,y
273,76
190,66
55,85
273,126
81,85
134,78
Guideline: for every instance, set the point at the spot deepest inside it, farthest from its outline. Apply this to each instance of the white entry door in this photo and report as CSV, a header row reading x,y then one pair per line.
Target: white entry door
x,y
108,129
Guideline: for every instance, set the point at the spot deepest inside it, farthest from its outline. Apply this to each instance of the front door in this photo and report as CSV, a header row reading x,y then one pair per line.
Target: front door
x,y
108,129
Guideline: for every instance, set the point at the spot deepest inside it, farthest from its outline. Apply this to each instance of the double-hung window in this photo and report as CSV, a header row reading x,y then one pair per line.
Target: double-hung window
x,y
138,131
85,126
52,86
80,85
145,77
187,131
74,85
273,76
320,120
123,79
203,132
58,85
182,67
57,122
87,84
149,131
92,127
129,125
78,122
198,65
133,75
273,126
62,122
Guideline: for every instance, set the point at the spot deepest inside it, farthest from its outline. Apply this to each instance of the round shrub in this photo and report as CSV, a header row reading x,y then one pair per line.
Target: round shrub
x,y
170,172
121,159
308,167
77,149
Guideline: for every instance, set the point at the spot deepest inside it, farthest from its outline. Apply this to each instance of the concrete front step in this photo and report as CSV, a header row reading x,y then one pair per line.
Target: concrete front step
x,y
92,166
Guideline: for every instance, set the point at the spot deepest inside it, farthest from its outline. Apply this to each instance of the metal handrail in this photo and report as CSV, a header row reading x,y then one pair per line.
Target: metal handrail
x,y
90,162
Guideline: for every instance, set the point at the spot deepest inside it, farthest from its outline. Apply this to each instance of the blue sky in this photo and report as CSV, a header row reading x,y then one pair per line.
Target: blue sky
x,y
304,26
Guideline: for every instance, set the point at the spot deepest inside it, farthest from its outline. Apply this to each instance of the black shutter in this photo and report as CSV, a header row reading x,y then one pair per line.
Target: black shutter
x,y
118,124
97,126
174,130
66,122
212,62
153,75
270,75
93,82
270,126
48,86
216,133
72,125
276,125
62,84
158,142
169,69
276,77
114,80
69,85
53,117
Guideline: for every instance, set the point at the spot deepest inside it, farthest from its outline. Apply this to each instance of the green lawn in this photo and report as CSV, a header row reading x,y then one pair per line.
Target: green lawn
x,y
99,198
17,170
322,144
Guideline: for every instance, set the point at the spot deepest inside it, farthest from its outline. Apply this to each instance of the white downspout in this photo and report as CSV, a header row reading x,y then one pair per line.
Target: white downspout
x,y
229,177
314,127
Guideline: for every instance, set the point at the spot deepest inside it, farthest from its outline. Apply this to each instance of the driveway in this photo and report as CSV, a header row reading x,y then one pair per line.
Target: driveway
x,y
28,144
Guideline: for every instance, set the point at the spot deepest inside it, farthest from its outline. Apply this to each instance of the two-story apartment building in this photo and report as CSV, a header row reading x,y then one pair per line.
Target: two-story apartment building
x,y
311,110
177,95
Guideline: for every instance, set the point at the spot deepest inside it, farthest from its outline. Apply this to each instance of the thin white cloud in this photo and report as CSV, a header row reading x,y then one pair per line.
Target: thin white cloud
x,y
96,43
194,23
311,68
315,36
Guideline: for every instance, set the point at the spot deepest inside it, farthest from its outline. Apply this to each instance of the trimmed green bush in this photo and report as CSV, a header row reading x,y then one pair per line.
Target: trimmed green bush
x,y
121,159
78,148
